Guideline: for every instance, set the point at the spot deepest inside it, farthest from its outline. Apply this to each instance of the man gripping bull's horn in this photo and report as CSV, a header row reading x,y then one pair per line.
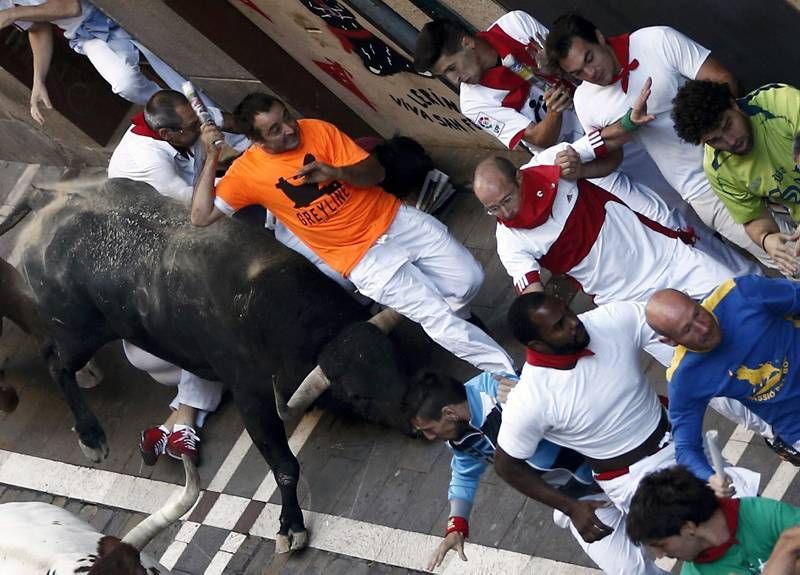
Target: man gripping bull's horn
x,y
326,190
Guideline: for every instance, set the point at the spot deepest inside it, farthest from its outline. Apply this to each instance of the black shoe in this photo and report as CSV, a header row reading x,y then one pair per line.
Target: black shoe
x,y
784,450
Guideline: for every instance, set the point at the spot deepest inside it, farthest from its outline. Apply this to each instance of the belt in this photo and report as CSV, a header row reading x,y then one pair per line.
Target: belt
x,y
614,473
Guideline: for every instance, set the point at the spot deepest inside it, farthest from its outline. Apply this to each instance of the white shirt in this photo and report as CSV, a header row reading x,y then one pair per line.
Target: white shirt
x,y
68,25
602,408
159,164
622,258
670,59
484,105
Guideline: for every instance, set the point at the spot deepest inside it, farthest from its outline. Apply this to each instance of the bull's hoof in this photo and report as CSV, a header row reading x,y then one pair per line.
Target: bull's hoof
x,y
293,541
90,376
94,454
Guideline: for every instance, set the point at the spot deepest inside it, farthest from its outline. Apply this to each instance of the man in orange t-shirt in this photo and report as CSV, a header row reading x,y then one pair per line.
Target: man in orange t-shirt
x,y
325,190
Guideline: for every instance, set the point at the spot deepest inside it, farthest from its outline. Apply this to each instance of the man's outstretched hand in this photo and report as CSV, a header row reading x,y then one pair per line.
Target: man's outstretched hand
x,y
454,540
39,95
639,115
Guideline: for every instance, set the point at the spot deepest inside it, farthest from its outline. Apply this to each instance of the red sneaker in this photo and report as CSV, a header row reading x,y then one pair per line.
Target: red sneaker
x,y
153,442
183,441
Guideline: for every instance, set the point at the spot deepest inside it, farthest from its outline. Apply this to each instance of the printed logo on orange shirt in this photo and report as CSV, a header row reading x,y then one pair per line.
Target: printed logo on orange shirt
x,y
323,202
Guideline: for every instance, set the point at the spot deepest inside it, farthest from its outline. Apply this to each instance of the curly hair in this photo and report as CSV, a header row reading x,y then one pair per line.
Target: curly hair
x,y
698,107
665,500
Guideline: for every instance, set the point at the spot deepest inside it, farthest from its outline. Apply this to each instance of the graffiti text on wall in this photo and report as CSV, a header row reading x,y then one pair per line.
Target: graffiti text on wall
x,y
425,103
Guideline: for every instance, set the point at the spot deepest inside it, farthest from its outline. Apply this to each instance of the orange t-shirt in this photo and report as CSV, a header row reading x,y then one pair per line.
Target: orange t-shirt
x,y
337,220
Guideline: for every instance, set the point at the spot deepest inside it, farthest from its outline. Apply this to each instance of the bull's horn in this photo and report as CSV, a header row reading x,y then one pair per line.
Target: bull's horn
x,y
312,387
143,533
386,320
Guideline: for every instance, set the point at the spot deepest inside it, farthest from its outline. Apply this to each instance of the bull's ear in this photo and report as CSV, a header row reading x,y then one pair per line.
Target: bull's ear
x,y
106,545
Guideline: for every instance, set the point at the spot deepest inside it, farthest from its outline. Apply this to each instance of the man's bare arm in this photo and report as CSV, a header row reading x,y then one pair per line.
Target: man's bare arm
x,y
572,169
714,71
40,37
203,212
519,475
765,233
785,554
545,133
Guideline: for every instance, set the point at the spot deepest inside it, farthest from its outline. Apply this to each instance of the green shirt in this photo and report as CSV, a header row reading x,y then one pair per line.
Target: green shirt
x,y
768,171
761,522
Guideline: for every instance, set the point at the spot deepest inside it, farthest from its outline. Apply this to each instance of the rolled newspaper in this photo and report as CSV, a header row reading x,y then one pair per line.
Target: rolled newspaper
x,y
199,108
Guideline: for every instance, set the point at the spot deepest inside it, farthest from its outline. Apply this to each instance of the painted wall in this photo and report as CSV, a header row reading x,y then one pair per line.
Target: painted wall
x,y
360,65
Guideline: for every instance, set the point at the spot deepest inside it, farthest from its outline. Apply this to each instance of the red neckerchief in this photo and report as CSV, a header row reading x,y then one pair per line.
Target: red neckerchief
x,y
140,128
500,77
567,361
538,189
730,509
621,45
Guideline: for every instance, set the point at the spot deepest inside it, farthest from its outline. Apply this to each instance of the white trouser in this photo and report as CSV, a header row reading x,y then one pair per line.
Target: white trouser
x,y
620,491
193,391
614,554
644,200
641,199
287,238
117,61
420,270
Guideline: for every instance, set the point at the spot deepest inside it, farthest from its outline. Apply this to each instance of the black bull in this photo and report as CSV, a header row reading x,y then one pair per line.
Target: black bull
x,y
226,302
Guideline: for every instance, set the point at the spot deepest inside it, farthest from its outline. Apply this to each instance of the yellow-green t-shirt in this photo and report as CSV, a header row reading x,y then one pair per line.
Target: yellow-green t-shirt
x,y
768,171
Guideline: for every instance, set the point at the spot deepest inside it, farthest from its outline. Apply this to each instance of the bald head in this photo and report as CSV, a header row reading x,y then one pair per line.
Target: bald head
x,y
496,186
683,321
162,109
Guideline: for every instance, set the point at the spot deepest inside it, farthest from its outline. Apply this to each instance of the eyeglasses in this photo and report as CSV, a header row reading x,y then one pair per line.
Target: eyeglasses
x,y
499,206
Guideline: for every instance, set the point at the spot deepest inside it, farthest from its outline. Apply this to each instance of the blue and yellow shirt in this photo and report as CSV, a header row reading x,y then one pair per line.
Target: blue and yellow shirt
x,y
768,172
756,363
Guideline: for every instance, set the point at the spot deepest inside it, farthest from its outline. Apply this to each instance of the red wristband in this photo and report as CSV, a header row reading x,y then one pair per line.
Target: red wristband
x,y
598,144
459,524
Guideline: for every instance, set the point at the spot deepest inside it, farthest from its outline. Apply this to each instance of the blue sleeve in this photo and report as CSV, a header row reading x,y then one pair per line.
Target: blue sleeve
x,y
778,295
465,476
486,382
686,416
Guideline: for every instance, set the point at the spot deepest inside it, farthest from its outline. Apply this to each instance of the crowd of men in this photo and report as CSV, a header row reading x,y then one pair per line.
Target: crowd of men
x,y
651,178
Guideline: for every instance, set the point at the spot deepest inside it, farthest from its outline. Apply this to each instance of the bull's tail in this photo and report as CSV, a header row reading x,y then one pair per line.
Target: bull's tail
x,y
16,216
